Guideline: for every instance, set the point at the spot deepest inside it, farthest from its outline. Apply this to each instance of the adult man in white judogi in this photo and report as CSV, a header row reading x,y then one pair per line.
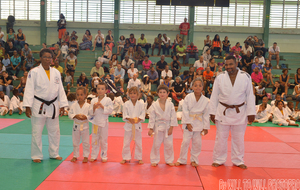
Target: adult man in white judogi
x,y
232,105
44,95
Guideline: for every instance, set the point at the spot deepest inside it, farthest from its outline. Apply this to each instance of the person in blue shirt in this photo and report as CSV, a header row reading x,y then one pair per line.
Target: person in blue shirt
x,y
15,63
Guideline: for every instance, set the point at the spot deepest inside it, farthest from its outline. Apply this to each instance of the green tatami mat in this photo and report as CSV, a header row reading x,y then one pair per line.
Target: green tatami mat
x,y
270,124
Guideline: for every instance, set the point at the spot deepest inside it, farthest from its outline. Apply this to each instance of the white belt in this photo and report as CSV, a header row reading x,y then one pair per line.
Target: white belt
x,y
196,116
133,127
80,124
164,123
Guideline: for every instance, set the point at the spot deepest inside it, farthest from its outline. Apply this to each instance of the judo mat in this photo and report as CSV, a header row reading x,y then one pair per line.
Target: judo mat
x,y
272,153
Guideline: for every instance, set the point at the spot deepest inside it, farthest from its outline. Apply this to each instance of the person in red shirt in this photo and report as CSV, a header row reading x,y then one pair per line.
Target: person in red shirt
x,y
216,45
257,77
184,30
191,51
207,76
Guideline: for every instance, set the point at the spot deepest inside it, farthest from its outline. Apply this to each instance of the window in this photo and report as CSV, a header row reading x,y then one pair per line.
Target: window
x,y
80,11
284,14
140,12
21,9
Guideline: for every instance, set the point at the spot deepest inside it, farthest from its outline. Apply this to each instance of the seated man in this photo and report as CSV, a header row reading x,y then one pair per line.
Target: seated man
x,y
161,65
259,44
153,75
126,62
191,51
98,69
10,49
30,62
246,48
134,82
278,92
139,56
200,64
166,44
142,41
165,73
119,76
99,40
257,77
157,44
259,92
274,53
178,89
6,83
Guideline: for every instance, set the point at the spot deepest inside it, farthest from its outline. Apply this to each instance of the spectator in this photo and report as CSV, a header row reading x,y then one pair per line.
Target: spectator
x,y
166,44
261,59
126,48
15,63
181,51
200,64
247,61
114,61
185,76
268,72
6,83
238,59
22,84
175,66
192,72
161,65
257,77
1,37
61,23
70,64
246,48
64,49
98,69
207,77
157,44
83,81
226,44
284,79
10,37
220,70
188,85
99,40
165,73
260,92
106,55
167,82
184,30
146,65
259,44
57,54
139,56
207,41
126,63
216,45
73,35
112,74
278,89
2,50
66,37
191,51
6,63
26,50
109,40
132,41
86,41
207,56
119,75
153,75
10,49
2,67
95,80
296,95
177,40
142,41
121,44
56,66
297,76
199,74
134,82
146,86
212,65
178,89
237,48
131,72
20,38
256,64
130,53
73,46
274,53
29,63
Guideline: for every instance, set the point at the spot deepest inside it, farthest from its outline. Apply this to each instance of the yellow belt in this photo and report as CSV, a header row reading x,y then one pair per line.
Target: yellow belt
x,y
196,116
80,124
133,127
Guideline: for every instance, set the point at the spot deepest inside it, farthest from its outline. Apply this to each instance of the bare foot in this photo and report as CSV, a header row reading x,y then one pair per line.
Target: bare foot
x,y
104,160
20,111
177,164
153,164
170,164
92,160
57,158
74,159
4,113
279,124
243,166
10,112
123,162
255,121
37,161
85,160
141,162
215,165
194,164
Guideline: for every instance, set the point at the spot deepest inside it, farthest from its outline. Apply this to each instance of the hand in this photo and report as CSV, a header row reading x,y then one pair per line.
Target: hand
x,y
96,106
205,131
212,118
150,132
28,112
61,111
170,131
251,118
189,127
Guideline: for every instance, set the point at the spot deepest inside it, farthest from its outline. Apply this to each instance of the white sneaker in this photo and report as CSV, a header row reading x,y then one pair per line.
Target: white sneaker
x,y
277,66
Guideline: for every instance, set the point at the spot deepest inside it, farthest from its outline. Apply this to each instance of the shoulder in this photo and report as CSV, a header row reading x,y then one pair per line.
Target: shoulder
x,y
245,74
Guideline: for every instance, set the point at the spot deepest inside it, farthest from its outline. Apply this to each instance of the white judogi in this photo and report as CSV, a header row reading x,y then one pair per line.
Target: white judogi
x,y
160,121
15,103
4,104
179,109
196,114
273,103
133,111
225,92
293,113
280,118
99,119
117,105
80,129
263,116
39,85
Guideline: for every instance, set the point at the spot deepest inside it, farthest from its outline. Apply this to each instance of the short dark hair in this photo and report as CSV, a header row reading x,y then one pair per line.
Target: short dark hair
x,y
275,43
283,70
277,102
162,87
230,57
15,91
150,96
46,50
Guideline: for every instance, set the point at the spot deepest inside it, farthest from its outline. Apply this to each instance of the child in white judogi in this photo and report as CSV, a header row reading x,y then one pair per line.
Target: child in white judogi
x,y
162,119
262,115
195,122
100,108
133,115
179,109
4,103
79,112
294,115
148,104
117,104
281,116
15,104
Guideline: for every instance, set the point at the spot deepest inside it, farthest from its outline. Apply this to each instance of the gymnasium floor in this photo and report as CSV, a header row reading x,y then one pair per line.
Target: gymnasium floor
x,y
272,152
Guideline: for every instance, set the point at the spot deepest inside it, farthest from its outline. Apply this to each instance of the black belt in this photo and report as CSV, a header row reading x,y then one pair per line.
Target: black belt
x,y
48,103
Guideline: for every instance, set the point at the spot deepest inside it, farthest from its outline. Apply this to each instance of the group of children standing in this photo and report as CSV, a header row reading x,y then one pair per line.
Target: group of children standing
x,y
162,120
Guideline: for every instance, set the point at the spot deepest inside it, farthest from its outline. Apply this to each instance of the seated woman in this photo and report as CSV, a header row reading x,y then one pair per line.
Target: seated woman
x,y
181,51
178,89
146,87
177,40
132,41
73,35
175,66
297,77
216,45
86,41
226,44
83,81
146,65
281,116
21,86
284,80
109,40
57,54
267,68
235,48
106,56
73,46
126,48
70,64
212,65
130,53
10,37
296,95
121,44
261,59
131,71
20,39
207,41
157,44
66,37
114,61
